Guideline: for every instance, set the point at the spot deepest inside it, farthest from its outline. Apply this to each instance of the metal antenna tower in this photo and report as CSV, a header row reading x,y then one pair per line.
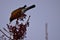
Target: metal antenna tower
x,y
46,31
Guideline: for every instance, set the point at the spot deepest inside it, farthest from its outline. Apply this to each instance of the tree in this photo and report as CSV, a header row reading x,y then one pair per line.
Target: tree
x,y
17,32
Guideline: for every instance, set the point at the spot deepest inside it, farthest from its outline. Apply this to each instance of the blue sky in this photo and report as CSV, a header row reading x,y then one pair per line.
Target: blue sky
x,y
46,11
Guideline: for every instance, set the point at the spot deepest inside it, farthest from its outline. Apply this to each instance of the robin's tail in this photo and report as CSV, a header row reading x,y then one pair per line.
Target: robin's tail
x,y
29,8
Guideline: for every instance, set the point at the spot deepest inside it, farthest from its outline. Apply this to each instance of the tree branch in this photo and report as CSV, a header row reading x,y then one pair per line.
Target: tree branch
x,y
5,34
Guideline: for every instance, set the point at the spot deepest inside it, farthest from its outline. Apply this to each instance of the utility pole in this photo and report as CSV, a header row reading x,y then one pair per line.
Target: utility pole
x,y
46,31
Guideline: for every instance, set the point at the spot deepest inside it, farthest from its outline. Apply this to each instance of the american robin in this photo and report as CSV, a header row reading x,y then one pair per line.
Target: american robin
x,y
19,13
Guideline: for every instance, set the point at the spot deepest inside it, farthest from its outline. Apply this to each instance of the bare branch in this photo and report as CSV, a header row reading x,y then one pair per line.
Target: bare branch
x,y
5,34
5,30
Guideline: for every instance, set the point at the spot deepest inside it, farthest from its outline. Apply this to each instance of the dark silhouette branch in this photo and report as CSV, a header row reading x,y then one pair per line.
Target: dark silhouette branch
x,y
5,30
5,34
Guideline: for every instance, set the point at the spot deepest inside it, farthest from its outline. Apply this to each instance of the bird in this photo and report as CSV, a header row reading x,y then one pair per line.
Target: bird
x,y
19,13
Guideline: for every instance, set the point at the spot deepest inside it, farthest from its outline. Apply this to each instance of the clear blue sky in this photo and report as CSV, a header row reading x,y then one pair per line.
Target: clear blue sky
x,y
45,11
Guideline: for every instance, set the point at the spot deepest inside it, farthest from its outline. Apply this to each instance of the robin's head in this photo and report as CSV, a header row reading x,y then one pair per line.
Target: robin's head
x,y
10,20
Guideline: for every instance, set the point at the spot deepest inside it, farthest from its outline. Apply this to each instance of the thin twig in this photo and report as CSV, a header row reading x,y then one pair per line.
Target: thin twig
x,y
5,30
5,34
